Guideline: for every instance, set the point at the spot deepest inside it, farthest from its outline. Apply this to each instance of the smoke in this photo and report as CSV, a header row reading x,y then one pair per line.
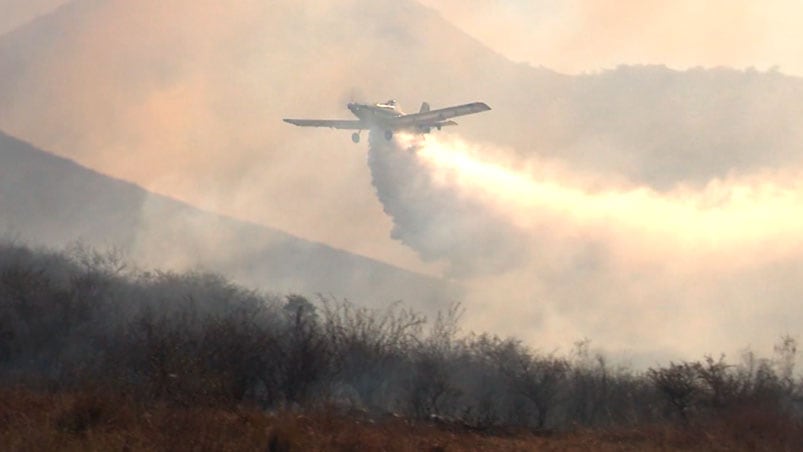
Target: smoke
x,y
588,35
571,255
437,219
632,206
186,99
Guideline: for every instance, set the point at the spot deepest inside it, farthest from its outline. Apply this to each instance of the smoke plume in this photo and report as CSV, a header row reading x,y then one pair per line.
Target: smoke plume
x,y
437,219
572,255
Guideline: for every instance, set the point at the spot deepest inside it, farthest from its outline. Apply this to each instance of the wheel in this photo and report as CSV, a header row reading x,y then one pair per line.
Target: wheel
x,y
388,134
355,137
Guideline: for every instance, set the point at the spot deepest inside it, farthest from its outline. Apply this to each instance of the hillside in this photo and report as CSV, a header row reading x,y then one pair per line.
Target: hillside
x,y
48,200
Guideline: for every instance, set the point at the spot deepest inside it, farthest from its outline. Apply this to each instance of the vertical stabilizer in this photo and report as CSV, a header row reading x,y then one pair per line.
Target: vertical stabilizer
x,y
424,107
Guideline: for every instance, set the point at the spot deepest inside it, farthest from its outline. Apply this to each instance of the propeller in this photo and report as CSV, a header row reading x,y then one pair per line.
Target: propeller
x,y
352,95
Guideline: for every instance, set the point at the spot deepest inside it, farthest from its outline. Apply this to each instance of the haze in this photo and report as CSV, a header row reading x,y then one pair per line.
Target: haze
x,y
575,36
653,210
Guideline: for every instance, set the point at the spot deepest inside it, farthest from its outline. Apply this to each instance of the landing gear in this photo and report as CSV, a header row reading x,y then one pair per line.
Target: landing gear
x,y
388,135
355,137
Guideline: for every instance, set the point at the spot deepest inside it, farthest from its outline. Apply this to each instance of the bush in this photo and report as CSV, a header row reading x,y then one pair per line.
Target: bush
x,y
87,320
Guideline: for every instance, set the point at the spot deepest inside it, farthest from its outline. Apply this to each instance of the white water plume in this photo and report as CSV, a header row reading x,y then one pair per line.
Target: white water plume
x,y
573,255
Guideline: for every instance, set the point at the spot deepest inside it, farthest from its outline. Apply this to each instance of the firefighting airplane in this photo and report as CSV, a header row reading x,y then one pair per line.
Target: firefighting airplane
x,y
389,118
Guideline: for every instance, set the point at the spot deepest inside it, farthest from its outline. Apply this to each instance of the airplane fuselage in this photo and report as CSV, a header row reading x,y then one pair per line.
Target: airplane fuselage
x,y
377,115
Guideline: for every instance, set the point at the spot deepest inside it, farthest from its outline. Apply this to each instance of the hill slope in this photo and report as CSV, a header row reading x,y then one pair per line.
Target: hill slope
x,y
53,201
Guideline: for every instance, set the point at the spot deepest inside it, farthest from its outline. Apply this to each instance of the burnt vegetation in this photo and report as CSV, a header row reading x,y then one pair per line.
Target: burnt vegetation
x,y
85,322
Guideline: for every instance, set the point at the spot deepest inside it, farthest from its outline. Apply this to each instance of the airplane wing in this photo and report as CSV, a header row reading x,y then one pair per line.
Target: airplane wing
x,y
433,117
335,124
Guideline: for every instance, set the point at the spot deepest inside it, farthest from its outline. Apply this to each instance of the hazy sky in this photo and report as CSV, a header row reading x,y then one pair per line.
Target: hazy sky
x,y
588,35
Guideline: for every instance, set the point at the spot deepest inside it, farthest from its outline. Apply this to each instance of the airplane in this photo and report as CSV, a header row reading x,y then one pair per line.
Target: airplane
x,y
388,117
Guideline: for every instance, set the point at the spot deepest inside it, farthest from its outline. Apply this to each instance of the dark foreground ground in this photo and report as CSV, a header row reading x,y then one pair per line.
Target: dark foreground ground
x,y
90,421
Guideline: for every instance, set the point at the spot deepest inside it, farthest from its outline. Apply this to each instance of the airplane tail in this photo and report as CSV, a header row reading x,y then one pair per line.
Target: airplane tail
x,y
424,107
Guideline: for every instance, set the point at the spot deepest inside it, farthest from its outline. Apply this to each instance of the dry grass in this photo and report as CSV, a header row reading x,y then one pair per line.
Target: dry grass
x,y
95,421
